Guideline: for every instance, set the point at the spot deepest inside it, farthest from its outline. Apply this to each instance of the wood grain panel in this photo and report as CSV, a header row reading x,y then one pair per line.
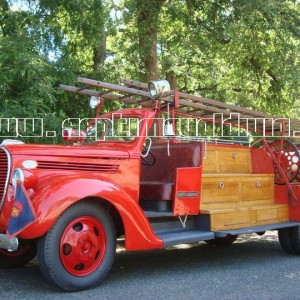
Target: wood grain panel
x,y
220,159
247,217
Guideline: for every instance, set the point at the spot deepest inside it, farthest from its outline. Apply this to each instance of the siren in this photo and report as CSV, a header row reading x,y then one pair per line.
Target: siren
x,y
95,101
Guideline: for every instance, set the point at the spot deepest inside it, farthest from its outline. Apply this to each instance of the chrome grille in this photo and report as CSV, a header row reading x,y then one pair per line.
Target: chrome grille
x,y
4,173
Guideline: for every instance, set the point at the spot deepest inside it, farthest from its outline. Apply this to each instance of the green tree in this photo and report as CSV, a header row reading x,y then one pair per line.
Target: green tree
x,y
241,52
237,51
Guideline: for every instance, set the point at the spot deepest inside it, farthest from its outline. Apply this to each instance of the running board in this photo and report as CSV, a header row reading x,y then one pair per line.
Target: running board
x,y
171,238
157,214
256,229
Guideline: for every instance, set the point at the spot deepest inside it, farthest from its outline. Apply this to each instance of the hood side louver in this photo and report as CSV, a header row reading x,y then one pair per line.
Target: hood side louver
x,y
74,166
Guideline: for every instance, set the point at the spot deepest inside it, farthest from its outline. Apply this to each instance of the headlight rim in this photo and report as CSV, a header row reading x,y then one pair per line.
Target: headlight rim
x,y
15,178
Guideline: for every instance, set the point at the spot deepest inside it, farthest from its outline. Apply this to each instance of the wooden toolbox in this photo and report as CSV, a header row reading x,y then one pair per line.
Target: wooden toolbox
x,y
232,196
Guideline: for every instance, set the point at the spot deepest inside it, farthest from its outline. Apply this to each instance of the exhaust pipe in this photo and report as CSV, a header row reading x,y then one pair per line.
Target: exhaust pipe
x,y
9,244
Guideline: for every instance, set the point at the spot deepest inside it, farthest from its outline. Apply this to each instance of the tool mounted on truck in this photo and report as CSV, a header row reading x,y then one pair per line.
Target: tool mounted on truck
x,y
135,173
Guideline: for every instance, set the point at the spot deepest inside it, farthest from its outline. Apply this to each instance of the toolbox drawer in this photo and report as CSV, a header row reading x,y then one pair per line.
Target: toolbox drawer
x,y
247,217
220,189
258,188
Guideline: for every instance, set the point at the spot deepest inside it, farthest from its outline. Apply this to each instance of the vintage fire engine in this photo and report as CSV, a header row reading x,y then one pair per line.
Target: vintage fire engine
x,y
136,174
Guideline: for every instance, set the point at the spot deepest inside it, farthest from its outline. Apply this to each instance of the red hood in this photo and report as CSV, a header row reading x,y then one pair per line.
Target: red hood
x,y
111,150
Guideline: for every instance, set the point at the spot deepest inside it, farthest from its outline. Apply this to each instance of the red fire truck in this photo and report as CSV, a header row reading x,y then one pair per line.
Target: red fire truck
x,y
175,169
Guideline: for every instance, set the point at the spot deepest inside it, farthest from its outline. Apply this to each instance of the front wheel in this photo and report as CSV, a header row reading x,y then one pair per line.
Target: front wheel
x,y
79,250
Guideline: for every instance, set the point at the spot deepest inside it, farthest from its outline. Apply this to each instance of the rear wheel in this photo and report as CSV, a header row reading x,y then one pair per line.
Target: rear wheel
x,y
285,240
79,250
223,241
289,239
23,255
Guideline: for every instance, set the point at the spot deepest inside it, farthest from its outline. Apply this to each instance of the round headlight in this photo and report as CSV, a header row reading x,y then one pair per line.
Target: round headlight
x,y
17,175
158,89
94,101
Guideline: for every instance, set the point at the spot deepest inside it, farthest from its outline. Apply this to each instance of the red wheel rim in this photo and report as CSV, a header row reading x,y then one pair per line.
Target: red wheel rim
x,y
289,160
82,246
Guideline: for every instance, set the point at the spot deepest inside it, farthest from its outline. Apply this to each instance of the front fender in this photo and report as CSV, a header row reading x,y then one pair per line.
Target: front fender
x,y
51,201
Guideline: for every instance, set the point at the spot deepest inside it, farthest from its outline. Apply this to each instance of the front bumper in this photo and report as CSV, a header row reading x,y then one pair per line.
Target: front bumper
x,y
10,244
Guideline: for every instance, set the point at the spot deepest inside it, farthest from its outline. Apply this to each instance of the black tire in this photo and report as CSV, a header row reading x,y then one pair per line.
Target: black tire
x,y
23,255
78,251
284,236
295,238
223,241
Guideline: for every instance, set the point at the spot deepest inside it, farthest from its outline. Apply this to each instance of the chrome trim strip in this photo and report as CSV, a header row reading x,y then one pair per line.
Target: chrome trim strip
x,y
7,176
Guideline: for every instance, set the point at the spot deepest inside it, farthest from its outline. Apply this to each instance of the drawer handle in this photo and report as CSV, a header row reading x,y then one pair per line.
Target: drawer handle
x,y
258,184
234,154
221,185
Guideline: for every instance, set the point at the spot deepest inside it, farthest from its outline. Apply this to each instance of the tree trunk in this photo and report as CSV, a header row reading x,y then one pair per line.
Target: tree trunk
x,y
147,23
100,52
171,77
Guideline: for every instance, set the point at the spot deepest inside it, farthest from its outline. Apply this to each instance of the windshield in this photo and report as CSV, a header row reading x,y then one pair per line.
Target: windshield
x,y
118,128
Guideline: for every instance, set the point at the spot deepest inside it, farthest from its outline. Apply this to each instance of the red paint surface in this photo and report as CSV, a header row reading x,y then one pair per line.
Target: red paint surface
x,y
188,181
69,175
281,194
295,205
261,161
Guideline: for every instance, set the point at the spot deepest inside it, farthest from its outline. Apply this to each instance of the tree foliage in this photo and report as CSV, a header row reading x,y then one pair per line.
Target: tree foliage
x,y
236,51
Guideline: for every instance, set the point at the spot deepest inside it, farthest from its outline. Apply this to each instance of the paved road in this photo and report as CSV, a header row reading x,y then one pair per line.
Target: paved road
x,y
252,268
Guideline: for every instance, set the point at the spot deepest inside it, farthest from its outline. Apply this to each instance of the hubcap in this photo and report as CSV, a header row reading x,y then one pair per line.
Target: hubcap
x,y
82,246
